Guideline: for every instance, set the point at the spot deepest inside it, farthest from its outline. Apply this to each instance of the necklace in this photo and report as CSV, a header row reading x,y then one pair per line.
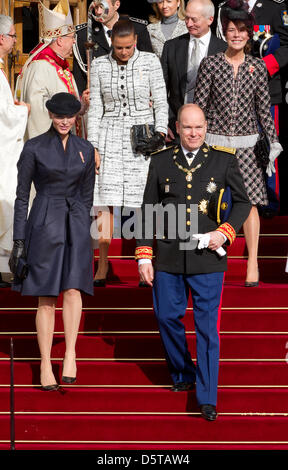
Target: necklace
x,y
189,172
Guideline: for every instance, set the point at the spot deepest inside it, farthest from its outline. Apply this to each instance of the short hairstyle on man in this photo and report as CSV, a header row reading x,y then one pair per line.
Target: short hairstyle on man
x,y
5,24
207,6
187,105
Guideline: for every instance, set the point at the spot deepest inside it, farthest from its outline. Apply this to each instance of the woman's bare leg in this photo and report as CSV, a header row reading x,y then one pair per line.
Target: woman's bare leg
x,y
45,321
251,229
72,310
105,229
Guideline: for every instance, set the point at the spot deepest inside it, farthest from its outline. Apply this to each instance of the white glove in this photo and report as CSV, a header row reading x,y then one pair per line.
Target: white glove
x,y
204,239
275,150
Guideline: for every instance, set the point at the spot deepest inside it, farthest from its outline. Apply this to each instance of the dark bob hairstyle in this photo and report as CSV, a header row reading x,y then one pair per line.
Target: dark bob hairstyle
x,y
236,11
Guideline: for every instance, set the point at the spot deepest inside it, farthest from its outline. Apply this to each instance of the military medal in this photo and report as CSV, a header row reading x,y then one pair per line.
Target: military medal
x,y
189,177
211,187
203,206
285,17
166,188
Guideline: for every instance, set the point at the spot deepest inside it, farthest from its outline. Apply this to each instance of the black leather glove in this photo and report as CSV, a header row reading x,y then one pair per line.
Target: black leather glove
x,y
156,142
18,251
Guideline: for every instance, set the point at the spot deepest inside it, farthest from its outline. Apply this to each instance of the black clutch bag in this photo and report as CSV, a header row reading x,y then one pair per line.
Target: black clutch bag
x,y
140,135
22,269
262,150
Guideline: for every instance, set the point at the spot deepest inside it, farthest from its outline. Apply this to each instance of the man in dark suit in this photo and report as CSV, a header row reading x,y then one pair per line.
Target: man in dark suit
x,y
186,180
101,31
178,61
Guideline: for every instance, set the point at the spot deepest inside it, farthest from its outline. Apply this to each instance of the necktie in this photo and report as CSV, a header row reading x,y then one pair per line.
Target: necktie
x,y
109,32
1,65
193,66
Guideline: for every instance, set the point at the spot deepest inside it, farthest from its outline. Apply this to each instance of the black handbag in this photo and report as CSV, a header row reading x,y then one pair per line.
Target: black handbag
x,y
140,135
262,150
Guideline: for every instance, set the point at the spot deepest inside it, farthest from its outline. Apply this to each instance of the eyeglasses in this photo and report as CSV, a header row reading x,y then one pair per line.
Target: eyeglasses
x,y
70,37
14,36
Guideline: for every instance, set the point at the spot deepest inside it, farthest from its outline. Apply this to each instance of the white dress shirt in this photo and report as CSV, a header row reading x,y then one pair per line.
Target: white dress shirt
x,y
108,38
185,151
251,4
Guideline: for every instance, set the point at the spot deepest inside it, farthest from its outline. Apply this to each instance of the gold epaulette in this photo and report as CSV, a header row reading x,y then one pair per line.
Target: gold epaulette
x,y
224,149
162,150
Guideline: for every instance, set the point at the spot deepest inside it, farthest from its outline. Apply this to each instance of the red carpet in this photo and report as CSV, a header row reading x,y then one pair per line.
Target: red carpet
x,y
122,398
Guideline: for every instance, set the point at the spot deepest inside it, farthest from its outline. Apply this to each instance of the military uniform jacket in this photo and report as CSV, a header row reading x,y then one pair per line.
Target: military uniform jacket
x,y
167,184
268,12
102,47
57,231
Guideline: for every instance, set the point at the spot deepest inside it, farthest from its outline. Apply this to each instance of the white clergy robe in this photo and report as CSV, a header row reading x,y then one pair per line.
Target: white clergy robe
x,y
13,120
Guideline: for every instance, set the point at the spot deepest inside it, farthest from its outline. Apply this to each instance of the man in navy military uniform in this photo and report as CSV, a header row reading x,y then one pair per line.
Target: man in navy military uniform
x,y
188,177
271,19
101,32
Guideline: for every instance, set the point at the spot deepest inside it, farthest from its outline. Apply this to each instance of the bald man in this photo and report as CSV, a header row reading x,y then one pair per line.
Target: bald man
x,y
187,183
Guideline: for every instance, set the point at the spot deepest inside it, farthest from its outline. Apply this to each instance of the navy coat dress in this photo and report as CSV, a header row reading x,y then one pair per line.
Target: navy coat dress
x,y
57,232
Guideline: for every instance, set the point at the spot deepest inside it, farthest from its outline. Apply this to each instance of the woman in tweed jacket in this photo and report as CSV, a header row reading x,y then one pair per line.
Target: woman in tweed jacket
x,y
127,88
167,23
232,89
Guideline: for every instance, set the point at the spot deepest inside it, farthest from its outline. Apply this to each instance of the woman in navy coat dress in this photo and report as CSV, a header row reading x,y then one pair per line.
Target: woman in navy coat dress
x,y
55,240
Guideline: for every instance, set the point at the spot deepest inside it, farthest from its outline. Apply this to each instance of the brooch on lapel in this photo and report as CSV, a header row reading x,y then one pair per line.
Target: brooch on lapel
x,y
203,206
81,156
251,69
211,187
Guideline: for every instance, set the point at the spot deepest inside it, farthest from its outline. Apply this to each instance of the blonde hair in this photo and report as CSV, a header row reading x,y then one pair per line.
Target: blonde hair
x,y
157,17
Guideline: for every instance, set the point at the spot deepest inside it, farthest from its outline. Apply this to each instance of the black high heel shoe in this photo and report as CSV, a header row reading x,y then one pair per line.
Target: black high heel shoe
x,y
68,380
253,283
102,282
99,283
50,388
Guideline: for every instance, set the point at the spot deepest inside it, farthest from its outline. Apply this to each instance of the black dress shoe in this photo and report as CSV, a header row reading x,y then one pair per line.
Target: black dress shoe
x,y
4,284
182,386
50,388
208,412
99,282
